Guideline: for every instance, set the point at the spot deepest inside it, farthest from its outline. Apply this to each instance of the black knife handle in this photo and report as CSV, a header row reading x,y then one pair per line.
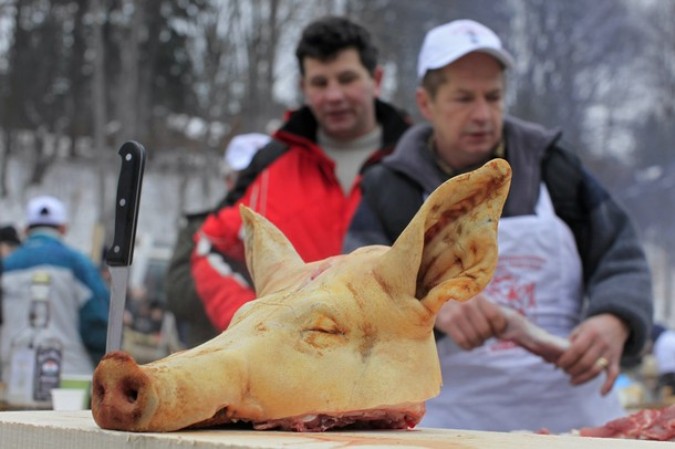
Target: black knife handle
x,y
126,205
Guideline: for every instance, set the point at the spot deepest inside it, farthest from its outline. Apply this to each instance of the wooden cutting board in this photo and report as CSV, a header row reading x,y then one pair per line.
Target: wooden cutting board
x,y
77,430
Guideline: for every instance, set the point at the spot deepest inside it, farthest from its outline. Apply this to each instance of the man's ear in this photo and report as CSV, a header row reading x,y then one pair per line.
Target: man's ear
x,y
302,80
378,75
424,101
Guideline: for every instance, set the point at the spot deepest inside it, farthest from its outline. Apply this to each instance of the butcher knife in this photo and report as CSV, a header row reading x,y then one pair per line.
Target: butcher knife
x,y
121,252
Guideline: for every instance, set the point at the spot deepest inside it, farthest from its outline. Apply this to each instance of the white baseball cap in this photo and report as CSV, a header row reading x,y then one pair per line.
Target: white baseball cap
x,y
449,42
47,211
242,148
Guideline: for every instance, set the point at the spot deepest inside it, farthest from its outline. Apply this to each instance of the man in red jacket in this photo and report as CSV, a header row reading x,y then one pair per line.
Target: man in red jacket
x,y
307,180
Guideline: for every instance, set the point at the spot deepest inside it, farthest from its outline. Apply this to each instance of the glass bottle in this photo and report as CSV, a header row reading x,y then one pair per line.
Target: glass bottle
x,y
36,354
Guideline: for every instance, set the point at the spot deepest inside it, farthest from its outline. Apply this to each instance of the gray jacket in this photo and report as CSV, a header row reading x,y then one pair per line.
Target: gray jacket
x,y
616,273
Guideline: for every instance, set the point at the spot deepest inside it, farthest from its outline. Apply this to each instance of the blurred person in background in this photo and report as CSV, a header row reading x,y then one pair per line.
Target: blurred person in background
x,y
193,325
78,295
306,181
239,153
663,349
569,257
9,241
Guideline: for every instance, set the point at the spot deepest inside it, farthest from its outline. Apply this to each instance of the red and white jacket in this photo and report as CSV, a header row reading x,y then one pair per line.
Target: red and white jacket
x,y
294,187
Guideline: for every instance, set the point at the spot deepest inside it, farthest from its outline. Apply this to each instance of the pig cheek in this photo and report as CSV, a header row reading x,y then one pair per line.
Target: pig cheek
x,y
286,362
275,364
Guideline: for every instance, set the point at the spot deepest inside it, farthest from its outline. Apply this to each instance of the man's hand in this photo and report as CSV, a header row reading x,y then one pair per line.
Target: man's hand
x,y
596,345
470,323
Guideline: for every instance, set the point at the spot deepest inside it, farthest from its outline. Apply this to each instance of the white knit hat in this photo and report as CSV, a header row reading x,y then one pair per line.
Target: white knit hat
x,y
47,211
447,43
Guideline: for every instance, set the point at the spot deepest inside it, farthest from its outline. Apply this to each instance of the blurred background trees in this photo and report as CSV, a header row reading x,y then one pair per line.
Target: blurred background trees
x,y
79,77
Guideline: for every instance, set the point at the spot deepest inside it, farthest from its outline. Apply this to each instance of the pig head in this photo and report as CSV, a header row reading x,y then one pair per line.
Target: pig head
x,y
345,340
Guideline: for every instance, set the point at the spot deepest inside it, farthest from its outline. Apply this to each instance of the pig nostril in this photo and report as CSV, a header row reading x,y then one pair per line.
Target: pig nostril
x,y
131,389
131,394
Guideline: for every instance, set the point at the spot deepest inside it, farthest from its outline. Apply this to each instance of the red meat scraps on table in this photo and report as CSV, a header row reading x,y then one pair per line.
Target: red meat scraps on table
x,y
647,424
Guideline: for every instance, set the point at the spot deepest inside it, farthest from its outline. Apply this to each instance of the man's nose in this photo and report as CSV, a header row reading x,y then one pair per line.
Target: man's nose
x,y
481,110
334,92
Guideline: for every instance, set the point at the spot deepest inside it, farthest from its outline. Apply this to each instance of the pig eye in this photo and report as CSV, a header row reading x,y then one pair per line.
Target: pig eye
x,y
324,330
325,325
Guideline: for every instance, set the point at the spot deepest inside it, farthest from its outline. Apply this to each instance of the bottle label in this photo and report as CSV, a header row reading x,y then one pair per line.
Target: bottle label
x,y
22,372
47,372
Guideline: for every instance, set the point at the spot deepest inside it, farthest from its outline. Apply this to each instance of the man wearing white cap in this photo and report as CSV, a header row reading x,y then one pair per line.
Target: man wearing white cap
x,y
239,153
569,258
181,298
78,295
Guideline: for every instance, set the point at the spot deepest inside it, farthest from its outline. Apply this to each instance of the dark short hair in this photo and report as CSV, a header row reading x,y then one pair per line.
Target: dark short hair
x,y
433,80
324,38
9,235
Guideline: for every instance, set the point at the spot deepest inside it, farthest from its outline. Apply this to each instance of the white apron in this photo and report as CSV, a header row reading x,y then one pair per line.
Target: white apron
x,y
500,386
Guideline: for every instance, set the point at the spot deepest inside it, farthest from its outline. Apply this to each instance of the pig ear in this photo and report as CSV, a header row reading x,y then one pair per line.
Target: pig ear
x,y
270,257
452,239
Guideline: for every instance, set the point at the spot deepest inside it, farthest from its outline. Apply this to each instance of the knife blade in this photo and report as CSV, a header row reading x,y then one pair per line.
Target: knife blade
x,y
120,255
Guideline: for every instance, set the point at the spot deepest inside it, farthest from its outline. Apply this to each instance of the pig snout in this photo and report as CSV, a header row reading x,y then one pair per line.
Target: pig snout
x,y
123,397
